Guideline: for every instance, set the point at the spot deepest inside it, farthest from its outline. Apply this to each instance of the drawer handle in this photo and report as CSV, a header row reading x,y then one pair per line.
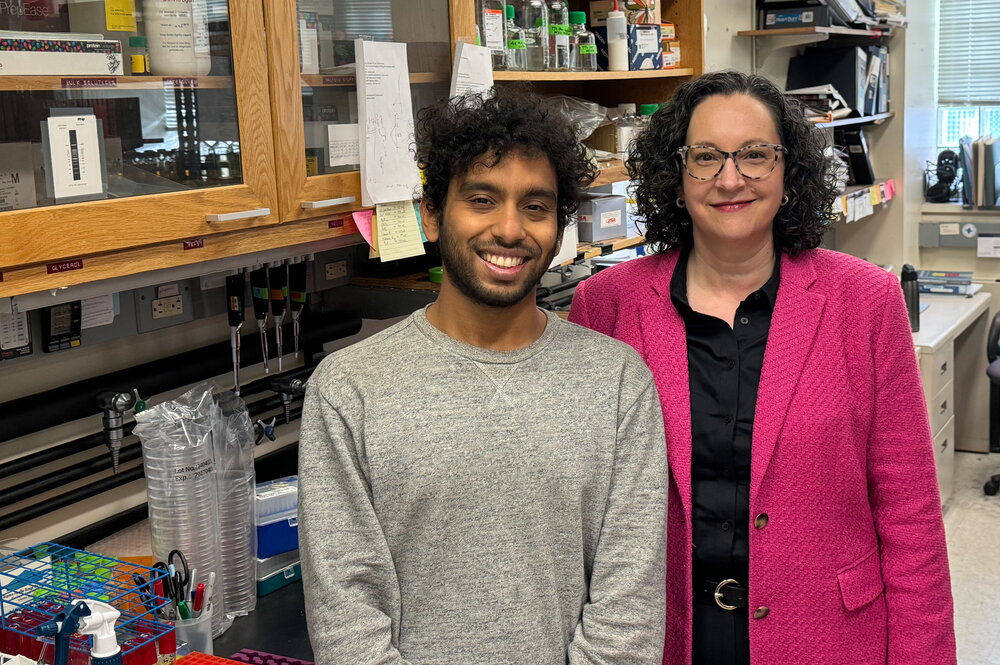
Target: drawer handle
x,y
944,406
944,445
235,216
328,203
944,367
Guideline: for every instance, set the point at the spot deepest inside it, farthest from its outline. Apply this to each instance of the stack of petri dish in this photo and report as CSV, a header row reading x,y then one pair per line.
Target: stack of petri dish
x,y
236,483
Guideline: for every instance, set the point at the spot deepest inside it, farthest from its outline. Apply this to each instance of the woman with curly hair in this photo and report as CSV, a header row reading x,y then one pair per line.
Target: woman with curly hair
x,y
804,523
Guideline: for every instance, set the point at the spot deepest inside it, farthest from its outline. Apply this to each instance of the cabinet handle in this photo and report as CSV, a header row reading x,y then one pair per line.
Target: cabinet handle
x,y
944,446
242,214
944,367
328,203
944,406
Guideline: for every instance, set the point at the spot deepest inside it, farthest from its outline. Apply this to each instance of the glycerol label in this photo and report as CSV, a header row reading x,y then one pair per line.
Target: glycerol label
x,y
561,33
493,29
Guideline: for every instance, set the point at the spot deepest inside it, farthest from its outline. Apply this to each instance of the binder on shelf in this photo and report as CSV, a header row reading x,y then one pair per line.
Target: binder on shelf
x,y
844,68
991,172
965,157
858,162
872,84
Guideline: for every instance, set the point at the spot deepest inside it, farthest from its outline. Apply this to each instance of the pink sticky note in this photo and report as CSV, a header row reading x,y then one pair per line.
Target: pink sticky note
x,y
363,220
890,189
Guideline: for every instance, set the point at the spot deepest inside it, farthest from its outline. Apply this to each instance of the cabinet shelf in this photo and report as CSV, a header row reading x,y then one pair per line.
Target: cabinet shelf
x,y
769,41
349,80
592,76
610,172
876,119
77,82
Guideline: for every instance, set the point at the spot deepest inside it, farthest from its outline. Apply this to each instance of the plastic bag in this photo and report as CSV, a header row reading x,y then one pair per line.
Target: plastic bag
x,y
584,115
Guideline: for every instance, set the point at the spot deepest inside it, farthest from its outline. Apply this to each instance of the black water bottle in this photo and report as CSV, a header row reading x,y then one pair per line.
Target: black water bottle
x,y
911,293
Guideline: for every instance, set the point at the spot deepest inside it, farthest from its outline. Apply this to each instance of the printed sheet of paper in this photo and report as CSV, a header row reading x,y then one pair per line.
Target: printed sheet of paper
x,y
344,144
398,231
988,246
472,71
75,148
14,331
385,112
99,311
17,176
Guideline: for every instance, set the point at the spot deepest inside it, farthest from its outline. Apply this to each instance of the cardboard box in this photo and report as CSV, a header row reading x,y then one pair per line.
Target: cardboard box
x,y
671,54
601,217
668,31
644,48
53,57
599,12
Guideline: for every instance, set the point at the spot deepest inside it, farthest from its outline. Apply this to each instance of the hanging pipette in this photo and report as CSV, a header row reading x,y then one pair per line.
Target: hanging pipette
x,y
235,291
260,294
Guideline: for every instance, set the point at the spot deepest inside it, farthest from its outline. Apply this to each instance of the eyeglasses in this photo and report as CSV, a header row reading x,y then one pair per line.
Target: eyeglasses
x,y
704,162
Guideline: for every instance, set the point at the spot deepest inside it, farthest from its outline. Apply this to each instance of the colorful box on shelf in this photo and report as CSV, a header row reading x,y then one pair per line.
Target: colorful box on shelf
x,y
644,48
277,504
39,56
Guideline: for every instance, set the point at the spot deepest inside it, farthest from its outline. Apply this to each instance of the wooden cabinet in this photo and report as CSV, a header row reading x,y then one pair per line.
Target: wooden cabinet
x,y
281,74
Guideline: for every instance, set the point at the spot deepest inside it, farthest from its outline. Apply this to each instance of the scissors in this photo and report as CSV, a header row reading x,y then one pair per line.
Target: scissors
x,y
175,584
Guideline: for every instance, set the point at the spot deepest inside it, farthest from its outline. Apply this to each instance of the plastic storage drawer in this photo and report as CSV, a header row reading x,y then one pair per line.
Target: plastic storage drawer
x,y
277,520
282,578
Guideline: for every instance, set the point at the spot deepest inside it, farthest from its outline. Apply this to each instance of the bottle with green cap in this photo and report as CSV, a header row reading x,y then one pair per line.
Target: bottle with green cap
x,y
536,35
582,45
139,60
559,35
646,112
517,56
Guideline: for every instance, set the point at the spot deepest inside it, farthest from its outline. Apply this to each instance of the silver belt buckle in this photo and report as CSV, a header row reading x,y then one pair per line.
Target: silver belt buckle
x,y
718,594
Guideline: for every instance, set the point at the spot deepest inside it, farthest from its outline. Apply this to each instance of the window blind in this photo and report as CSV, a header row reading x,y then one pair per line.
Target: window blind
x,y
371,18
969,52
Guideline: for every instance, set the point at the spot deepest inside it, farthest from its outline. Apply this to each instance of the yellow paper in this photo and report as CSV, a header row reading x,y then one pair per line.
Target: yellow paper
x,y
120,15
875,194
398,231
373,248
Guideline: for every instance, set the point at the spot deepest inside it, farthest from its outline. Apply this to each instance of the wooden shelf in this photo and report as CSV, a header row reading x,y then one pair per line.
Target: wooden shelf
x,y
817,30
349,80
593,76
876,119
96,82
591,250
611,172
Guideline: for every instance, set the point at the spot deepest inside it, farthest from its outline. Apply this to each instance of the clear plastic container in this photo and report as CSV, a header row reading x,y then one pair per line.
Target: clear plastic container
x,y
535,21
517,56
559,35
582,45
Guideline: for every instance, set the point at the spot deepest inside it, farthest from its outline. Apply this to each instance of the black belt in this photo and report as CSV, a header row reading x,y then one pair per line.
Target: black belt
x,y
727,594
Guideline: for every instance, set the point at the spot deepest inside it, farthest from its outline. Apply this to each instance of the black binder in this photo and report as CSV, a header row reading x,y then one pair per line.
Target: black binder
x,y
858,160
846,68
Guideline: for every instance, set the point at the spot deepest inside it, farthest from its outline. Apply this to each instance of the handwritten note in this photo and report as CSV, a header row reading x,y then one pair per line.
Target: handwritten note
x,y
385,112
344,144
398,231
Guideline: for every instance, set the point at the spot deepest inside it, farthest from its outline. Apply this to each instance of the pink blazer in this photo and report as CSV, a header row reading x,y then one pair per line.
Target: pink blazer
x,y
852,563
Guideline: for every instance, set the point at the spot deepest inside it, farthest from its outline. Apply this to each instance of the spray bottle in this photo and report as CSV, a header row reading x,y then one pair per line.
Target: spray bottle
x,y
62,628
100,622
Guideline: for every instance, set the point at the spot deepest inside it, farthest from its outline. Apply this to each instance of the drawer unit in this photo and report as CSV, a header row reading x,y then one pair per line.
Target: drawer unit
x,y
937,369
941,407
944,459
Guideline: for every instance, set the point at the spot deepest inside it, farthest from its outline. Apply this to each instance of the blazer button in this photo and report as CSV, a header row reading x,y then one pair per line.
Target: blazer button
x,y
760,521
761,612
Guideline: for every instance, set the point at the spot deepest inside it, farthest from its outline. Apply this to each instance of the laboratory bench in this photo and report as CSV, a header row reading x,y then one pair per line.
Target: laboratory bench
x,y
277,625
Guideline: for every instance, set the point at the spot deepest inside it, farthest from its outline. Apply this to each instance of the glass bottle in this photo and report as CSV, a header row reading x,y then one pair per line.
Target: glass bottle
x,y
140,55
537,45
493,29
517,56
559,35
626,127
582,45
646,112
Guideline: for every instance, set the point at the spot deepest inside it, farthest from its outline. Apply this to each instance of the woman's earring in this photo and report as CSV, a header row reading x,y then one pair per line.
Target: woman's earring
x,y
784,200
680,202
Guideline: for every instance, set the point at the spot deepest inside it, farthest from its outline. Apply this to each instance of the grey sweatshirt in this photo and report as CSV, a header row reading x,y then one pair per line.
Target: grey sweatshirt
x,y
463,506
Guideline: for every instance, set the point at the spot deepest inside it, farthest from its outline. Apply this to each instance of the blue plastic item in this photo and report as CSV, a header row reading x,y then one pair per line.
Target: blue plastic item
x,y
277,517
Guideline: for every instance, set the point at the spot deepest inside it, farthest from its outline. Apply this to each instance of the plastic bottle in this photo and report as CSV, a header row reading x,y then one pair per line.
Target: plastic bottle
x,y
646,112
140,56
911,295
493,30
626,128
559,35
617,42
537,44
582,45
517,56
178,37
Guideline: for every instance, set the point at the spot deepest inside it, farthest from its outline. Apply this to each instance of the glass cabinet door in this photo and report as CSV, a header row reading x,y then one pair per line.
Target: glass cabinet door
x,y
323,165
112,101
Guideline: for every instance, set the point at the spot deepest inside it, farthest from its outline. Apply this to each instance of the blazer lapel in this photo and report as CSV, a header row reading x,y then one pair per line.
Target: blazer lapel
x,y
794,323
665,352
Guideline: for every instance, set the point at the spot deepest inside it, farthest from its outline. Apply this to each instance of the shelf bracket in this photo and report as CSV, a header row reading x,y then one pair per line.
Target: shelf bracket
x,y
768,45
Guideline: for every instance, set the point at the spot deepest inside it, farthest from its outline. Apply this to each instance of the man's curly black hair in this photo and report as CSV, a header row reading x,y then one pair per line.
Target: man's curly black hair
x,y
453,135
656,168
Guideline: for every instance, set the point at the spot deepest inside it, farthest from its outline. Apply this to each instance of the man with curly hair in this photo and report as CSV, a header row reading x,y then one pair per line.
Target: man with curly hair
x,y
471,491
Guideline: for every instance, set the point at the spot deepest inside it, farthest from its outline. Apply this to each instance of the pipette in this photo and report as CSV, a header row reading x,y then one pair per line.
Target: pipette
x,y
297,296
279,292
235,290
260,294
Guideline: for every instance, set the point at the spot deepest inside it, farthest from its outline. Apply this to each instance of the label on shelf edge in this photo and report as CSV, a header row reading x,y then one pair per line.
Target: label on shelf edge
x,y
180,82
64,266
339,80
197,243
336,223
100,82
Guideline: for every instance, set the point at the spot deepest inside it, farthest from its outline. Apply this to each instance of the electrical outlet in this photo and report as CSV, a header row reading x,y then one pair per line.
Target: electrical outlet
x,y
164,308
336,270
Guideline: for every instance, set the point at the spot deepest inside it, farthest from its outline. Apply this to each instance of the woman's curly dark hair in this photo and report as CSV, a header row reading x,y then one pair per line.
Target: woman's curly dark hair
x,y
452,135
656,168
